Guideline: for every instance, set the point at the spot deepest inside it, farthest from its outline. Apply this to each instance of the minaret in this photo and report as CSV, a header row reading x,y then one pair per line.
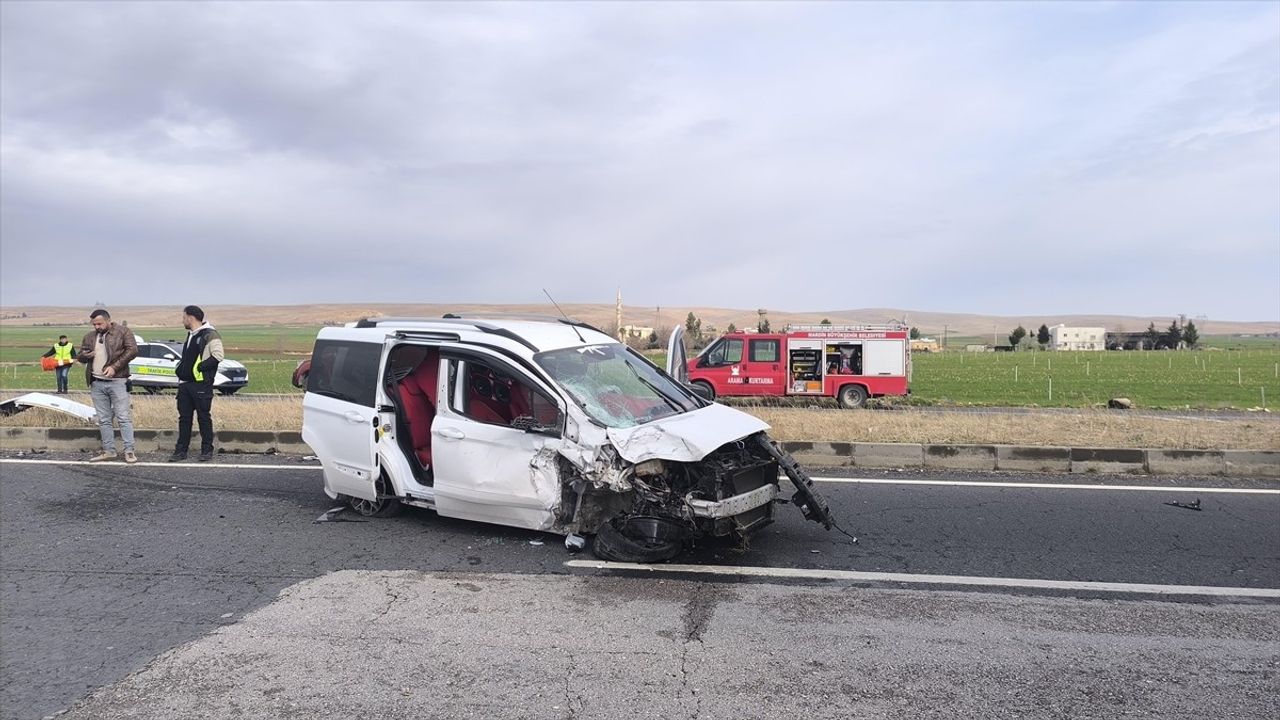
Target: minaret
x,y
617,315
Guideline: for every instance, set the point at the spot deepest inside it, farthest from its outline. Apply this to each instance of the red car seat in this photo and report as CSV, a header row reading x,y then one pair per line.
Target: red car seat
x,y
417,397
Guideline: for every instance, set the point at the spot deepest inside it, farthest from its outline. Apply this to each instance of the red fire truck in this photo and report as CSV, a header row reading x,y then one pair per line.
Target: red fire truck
x,y
848,362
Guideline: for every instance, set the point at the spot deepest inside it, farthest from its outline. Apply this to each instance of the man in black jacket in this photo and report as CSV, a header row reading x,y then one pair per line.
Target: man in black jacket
x,y
196,372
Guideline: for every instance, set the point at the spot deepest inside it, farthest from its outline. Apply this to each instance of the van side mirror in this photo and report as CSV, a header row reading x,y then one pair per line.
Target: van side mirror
x,y
170,356
530,424
702,362
701,390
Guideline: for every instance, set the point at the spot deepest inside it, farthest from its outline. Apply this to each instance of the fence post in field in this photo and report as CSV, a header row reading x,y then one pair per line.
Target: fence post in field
x,y
1087,371
1050,389
1264,397
1239,377
1015,373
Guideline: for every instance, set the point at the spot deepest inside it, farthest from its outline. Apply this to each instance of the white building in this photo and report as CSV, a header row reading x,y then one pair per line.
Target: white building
x,y
1062,337
634,332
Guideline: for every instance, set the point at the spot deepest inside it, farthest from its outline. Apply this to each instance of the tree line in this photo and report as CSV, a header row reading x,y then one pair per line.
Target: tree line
x,y
1173,337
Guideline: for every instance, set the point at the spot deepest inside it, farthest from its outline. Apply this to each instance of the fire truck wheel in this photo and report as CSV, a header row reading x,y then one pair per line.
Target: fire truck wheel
x,y
707,392
852,396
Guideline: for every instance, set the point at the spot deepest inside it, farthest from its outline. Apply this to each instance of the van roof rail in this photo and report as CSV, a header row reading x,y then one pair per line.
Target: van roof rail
x,y
804,327
537,317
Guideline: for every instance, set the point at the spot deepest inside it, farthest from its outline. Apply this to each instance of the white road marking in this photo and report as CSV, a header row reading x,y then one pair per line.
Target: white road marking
x,y
910,578
211,464
832,480
1046,486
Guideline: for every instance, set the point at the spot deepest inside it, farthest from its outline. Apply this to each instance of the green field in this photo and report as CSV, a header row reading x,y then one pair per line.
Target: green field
x,y
269,352
1160,379
1207,378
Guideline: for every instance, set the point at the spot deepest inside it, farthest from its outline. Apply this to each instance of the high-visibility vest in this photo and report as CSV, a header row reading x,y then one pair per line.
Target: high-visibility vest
x,y
62,353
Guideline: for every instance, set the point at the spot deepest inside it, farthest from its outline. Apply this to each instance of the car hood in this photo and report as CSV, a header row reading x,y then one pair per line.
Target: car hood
x,y
687,437
50,402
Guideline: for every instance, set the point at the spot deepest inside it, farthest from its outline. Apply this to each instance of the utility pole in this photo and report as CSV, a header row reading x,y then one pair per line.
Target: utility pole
x,y
944,337
617,315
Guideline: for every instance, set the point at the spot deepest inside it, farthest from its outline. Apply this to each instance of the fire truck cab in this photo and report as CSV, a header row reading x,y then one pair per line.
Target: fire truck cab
x,y
848,362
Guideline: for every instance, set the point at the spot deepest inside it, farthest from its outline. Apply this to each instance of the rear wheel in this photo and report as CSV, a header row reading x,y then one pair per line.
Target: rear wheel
x,y
852,396
383,506
708,392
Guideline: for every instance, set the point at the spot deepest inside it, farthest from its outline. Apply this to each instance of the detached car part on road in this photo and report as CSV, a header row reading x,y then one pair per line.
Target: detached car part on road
x,y
542,424
13,406
156,368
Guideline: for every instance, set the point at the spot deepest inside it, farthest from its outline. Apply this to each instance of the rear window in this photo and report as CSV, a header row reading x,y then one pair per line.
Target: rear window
x,y
345,370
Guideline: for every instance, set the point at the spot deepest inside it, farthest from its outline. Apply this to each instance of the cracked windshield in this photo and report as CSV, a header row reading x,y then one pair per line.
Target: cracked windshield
x,y
615,386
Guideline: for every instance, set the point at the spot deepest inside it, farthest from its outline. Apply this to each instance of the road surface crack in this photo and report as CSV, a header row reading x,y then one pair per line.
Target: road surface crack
x,y
392,597
569,696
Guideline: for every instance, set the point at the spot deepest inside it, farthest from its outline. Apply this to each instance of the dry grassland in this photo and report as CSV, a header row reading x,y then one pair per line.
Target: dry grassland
x,y
1085,428
160,413
602,315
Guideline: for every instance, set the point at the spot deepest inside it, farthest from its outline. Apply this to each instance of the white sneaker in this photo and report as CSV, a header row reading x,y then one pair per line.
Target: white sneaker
x,y
130,457
103,456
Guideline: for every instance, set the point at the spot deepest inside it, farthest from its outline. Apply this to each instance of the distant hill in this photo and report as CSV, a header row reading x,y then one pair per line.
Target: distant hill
x,y
602,315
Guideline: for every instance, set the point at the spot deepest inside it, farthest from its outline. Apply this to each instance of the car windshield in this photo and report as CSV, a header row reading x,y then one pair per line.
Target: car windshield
x,y
614,385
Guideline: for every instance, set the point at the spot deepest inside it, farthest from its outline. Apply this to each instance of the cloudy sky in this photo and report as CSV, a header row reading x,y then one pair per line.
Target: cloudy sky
x,y
1003,158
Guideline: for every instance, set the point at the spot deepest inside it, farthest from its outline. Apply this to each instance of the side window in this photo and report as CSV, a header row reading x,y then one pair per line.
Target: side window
x,y
715,356
345,370
725,352
764,350
493,395
733,352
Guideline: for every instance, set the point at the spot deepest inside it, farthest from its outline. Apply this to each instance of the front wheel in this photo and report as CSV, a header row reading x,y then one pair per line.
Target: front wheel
x,y
631,543
852,396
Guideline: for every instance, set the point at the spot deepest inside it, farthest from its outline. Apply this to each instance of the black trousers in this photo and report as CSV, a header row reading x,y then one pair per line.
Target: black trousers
x,y
195,398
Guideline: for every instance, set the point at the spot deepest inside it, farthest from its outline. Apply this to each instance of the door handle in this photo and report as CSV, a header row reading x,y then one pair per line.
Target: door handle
x,y
452,433
353,417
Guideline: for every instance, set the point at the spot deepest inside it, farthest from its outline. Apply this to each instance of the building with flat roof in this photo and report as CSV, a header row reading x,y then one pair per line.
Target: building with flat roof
x,y
1062,337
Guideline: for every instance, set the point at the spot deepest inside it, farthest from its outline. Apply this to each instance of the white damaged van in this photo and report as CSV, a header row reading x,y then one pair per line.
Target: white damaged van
x,y
538,423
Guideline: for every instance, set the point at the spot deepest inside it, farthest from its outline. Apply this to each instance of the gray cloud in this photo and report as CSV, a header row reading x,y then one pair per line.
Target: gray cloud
x,y
983,158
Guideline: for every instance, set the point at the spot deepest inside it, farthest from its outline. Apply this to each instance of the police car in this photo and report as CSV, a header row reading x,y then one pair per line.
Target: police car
x,y
156,366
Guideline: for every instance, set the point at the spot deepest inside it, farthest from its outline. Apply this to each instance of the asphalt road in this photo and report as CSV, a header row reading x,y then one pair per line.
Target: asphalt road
x,y
106,566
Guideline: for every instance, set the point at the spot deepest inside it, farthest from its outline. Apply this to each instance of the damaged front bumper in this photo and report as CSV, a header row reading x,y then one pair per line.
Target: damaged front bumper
x,y
731,506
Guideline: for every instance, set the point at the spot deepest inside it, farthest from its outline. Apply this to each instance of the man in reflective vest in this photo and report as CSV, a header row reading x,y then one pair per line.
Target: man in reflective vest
x,y
64,353
196,371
